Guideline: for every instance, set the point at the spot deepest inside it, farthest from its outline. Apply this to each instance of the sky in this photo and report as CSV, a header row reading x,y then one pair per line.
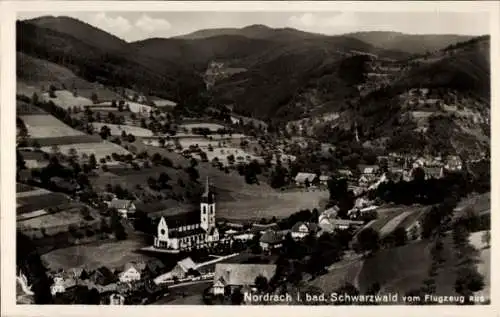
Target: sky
x,y
134,26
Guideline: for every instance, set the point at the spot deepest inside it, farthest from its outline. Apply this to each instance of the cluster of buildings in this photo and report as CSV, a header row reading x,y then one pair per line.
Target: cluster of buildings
x,y
114,286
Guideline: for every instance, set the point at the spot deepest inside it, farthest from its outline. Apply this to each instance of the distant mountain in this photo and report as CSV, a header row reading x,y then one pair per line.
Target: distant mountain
x,y
118,64
256,31
80,30
410,43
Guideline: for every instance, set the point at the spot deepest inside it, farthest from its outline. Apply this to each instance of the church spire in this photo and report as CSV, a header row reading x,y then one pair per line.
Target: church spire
x,y
207,187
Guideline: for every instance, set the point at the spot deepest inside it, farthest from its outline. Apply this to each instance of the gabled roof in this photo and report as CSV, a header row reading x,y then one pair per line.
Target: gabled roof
x,y
120,203
301,177
256,227
271,237
138,266
187,264
242,274
182,219
311,227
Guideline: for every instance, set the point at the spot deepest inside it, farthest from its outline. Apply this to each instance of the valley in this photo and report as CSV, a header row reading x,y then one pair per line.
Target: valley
x,y
357,163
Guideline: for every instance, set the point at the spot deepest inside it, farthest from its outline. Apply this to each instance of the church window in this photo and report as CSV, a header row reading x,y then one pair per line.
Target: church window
x,y
211,209
162,231
204,209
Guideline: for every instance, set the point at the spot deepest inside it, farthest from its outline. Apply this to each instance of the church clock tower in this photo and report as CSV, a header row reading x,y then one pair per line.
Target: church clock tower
x,y
207,209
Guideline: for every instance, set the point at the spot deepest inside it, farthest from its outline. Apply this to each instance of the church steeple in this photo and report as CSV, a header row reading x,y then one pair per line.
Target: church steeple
x,y
208,196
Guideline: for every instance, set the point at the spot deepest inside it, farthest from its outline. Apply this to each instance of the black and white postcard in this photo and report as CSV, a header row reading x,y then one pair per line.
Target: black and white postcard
x,y
221,154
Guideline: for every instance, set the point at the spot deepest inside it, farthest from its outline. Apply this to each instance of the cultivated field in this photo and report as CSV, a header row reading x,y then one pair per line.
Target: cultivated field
x,y
118,129
24,108
47,126
92,256
211,126
100,150
65,99
68,140
240,155
36,202
342,272
134,106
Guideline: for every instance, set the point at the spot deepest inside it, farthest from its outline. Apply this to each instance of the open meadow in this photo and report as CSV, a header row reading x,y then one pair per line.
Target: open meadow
x,y
211,126
66,100
99,149
134,106
47,126
116,129
112,254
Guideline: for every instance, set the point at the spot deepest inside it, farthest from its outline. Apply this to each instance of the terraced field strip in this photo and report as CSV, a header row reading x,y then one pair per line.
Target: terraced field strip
x,y
34,192
67,140
33,203
393,223
100,150
116,129
66,100
46,126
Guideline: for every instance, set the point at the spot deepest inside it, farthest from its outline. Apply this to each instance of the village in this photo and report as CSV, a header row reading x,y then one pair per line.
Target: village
x,y
199,248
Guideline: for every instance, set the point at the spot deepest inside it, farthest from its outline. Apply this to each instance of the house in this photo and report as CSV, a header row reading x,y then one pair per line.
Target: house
x,y
369,170
116,299
323,180
433,172
330,213
182,268
102,276
271,240
126,208
305,179
229,276
62,283
302,229
132,272
331,225
153,268
453,163
261,228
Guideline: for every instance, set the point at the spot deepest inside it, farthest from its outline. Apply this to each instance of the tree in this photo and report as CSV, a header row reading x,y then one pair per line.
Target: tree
x,y
399,236
92,161
34,98
237,297
486,237
117,227
94,98
368,240
468,281
261,283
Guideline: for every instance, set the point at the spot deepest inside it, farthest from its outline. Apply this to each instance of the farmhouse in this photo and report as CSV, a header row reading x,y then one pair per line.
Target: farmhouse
x,y
116,299
132,272
182,268
328,222
301,229
323,180
187,230
271,240
125,208
305,179
229,276
433,172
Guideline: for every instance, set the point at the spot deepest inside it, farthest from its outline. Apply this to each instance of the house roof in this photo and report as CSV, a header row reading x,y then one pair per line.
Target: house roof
x,y
434,171
242,274
139,266
120,203
183,219
324,177
256,227
271,237
186,233
311,227
301,177
186,264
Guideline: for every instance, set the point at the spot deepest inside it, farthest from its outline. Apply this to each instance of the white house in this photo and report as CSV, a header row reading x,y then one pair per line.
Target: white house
x,y
126,208
301,229
303,178
130,273
116,299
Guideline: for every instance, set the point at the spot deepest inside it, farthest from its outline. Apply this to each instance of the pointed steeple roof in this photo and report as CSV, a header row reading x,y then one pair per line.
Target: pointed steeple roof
x,y
208,196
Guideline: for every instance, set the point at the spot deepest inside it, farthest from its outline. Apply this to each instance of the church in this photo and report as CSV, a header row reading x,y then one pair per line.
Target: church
x,y
189,230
